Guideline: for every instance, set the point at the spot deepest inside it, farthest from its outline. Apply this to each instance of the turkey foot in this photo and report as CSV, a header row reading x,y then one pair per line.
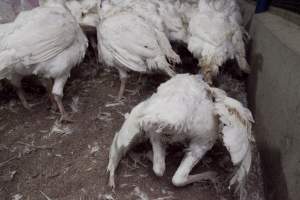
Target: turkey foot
x,y
64,115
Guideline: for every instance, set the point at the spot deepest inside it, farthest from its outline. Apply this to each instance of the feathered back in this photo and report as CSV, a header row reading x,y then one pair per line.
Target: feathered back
x,y
236,132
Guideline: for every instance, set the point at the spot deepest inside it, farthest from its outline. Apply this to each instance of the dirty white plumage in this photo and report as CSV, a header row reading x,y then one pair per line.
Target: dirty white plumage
x,y
215,35
46,41
186,108
130,43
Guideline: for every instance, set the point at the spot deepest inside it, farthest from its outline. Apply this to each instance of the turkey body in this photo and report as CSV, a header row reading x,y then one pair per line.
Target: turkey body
x,y
46,41
215,35
128,43
183,110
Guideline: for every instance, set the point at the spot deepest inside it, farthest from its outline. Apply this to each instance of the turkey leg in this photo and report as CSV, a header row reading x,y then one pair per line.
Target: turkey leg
x,y
57,92
123,78
159,154
64,115
182,177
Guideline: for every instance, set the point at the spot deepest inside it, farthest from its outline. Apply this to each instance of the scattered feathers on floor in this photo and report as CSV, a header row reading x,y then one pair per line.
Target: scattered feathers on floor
x,y
186,108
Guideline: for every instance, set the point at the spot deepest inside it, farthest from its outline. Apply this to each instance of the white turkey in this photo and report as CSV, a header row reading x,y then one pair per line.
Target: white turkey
x,y
185,108
215,35
130,43
46,41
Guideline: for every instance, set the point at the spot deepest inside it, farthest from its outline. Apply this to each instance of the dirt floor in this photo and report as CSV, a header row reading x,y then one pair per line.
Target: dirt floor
x,y
42,159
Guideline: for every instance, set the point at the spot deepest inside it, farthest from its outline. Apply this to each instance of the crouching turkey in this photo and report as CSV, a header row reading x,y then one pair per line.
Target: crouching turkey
x,y
191,111
46,41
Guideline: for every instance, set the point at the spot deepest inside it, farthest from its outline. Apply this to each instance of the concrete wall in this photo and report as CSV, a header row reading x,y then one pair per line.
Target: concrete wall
x,y
274,95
